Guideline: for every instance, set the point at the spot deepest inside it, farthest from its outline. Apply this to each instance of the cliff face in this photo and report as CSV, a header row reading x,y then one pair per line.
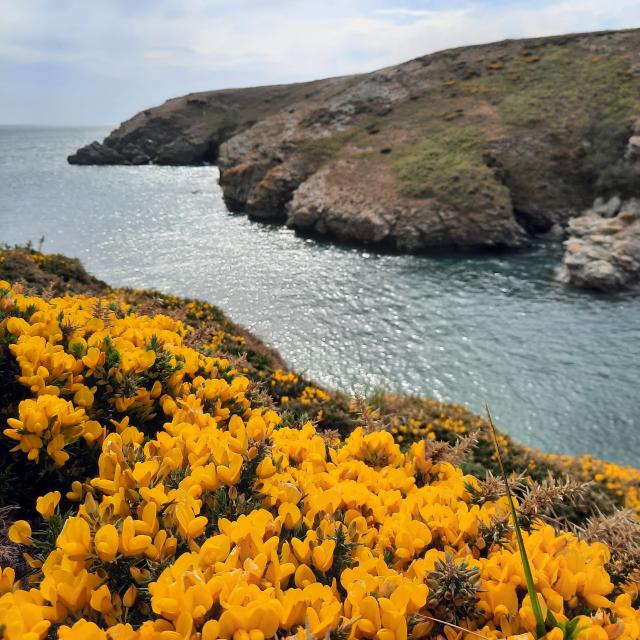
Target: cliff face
x,y
477,147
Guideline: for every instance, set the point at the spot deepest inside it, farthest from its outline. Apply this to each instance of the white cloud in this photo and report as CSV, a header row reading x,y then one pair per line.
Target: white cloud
x,y
279,39
412,13
224,42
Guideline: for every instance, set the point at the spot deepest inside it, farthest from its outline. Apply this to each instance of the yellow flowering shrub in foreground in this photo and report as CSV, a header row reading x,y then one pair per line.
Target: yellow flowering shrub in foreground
x,y
204,517
298,399
620,481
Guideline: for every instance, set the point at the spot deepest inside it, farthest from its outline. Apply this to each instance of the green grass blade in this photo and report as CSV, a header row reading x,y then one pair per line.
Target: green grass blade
x,y
526,567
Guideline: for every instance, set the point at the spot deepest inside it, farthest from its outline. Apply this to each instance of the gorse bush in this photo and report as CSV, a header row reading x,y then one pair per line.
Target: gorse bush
x,y
168,500
297,398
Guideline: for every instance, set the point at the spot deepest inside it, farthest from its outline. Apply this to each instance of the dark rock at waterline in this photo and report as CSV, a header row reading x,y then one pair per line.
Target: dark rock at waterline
x,y
490,145
96,153
153,144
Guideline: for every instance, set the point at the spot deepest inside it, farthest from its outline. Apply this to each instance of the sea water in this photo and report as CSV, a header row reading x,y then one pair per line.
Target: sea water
x,y
559,368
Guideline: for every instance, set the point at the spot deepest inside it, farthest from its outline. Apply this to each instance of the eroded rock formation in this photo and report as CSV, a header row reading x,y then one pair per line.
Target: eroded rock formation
x,y
603,249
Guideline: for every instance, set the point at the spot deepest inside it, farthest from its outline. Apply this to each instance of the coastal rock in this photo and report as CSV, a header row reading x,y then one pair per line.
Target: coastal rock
x,y
154,142
555,234
324,210
96,153
603,254
240,181
371,214
443,152
270,197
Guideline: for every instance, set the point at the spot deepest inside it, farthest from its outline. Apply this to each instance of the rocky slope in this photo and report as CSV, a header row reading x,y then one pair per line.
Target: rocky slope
x,y
477,147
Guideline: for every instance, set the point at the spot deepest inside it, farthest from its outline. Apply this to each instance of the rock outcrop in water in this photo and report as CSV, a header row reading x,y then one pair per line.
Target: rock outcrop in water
x,y
471,148
603,249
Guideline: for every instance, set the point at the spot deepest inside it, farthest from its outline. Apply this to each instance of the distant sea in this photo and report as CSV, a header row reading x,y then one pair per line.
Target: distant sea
x,y
559,368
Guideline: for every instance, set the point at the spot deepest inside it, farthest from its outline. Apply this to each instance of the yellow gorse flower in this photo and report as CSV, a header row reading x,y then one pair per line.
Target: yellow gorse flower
x,y
206,518
46,505
20,532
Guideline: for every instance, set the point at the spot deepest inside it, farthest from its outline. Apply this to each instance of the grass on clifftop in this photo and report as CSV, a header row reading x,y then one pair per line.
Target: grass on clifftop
x,y
448,165
557,118
574,113
562,90
326,148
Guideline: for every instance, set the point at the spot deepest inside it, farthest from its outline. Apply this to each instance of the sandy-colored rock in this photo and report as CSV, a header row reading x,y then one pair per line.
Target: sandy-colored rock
x,y
603,254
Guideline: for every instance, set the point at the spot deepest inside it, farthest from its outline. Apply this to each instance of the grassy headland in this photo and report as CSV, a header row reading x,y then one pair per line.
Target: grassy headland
x,y
474,147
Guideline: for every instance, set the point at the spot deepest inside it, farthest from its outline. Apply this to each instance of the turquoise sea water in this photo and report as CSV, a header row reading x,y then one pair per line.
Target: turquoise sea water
x,y
559,368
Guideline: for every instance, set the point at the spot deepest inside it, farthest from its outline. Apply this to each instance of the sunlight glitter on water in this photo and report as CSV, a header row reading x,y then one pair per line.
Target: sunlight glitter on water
x,y
559,368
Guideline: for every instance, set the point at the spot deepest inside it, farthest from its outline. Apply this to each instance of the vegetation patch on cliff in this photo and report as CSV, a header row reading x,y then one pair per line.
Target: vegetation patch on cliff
x,y
448,165
325,148
564,88
585,104
298,398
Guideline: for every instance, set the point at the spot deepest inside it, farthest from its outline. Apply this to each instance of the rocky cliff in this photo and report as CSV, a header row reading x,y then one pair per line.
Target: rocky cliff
x,y
477,147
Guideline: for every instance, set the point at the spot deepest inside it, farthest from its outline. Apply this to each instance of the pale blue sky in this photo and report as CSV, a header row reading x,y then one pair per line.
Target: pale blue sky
x,y
68,62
